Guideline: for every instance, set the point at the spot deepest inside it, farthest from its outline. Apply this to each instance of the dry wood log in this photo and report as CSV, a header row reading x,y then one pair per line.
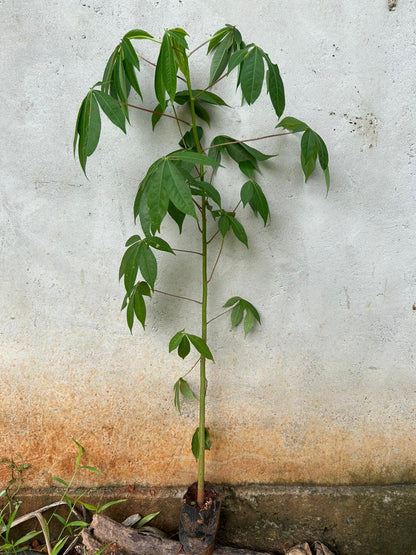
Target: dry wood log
x,y
123,540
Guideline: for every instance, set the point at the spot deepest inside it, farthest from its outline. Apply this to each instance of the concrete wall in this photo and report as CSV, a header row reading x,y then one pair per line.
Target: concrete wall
x,y
324,391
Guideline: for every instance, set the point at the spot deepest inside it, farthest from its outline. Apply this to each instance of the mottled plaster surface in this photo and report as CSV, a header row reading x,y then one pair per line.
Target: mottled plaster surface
x,y
324,391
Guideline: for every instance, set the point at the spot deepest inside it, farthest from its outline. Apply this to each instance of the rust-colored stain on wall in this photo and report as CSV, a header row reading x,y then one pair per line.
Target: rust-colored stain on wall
x,y
149,444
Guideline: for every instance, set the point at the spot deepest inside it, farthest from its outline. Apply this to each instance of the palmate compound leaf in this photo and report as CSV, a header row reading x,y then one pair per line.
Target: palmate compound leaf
x,y
177,342
111,108
251,193
166,184
252,75
312,146
166,70
139,256
242,306
135,304
88,128
226,221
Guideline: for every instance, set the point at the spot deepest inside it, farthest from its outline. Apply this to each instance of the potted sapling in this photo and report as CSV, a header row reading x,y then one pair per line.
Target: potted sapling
x,y
182,185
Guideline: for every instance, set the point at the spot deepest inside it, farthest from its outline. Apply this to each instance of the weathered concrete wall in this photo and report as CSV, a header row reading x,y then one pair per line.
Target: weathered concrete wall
x,y
324,392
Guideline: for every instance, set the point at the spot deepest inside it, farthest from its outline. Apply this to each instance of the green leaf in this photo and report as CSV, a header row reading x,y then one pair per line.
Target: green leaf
x,y
130,316
144,288
201,187
131,240
131,76
247,192
252,75
186,390
193,158
200,346
275,88
218,37
27,537
159,85
157,196
179,35
248,322
168,66
236,315
322,152
175,340
77,125
259,203
238,230
293,124
143,521
157,114
309,151
137,34
184,347
129,266
110,504
139,308
159,243
177,396
89,129
108,72
188,140
224,224
92,469
247,168
208,97
260,156
111,108
147,264
195,442
237,58
125,261
202,113
176,215
60,481
130,53
120,80
177,188
327,179
220,59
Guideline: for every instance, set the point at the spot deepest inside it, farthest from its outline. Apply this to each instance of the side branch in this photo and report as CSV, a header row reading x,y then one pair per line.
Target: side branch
x,y
177,296
154,112
216,261
248,140
185,250
219,315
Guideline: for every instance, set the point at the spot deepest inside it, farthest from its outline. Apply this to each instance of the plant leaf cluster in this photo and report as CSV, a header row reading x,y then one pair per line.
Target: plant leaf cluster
x,y
180,184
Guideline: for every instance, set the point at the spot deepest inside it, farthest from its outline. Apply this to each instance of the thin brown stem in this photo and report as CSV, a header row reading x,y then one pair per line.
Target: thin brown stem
x,y
154,112
210,85
198,47
177,296
219,315
154,65
193,366
216,261
213,237
184,250
177,121
197,205
236,206
248,140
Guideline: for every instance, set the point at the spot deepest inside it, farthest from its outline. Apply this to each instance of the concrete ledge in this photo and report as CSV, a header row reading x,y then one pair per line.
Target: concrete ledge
x,y
351,520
